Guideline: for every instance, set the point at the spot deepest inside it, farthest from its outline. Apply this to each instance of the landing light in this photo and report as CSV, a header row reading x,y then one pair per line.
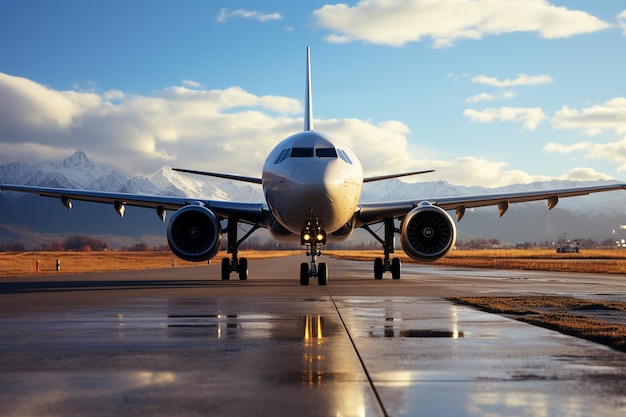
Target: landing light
x,y
313,233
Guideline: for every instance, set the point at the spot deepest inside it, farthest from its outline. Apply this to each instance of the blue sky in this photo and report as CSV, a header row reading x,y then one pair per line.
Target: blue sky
x,y
487,92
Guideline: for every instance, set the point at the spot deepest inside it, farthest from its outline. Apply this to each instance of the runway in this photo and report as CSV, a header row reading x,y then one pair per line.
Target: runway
x,y
182,342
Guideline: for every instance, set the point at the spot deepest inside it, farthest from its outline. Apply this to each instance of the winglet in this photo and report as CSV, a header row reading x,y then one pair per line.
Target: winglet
x,y
308,99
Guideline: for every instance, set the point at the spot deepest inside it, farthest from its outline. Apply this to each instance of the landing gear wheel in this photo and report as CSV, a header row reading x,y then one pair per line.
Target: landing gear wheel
x,y
304,273
225,269
243,269
322,274
378,268
396,268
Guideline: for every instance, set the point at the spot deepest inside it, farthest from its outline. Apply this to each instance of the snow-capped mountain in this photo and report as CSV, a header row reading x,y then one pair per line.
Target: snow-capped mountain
x,y
592,205
79,172
594,216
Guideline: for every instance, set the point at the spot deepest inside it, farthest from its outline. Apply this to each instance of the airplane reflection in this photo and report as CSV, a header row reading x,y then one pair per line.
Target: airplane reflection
x,y
313,328
221,326
324,364
395,327
317,369
313,356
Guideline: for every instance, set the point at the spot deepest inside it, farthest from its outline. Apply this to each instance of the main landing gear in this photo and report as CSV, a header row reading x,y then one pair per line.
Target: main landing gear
x,y
386,265
314,237
240,266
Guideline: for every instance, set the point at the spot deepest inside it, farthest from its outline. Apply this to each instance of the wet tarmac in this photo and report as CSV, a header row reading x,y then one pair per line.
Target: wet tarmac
x,y
182,342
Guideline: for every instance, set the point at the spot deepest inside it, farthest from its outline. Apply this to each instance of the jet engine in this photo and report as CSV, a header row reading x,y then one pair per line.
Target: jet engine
x,y
194,233
428,233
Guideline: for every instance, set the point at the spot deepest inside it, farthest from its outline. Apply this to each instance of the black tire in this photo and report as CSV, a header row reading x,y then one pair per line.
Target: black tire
x,y
396,268
225,269
378,268
322,274
243,269
304,273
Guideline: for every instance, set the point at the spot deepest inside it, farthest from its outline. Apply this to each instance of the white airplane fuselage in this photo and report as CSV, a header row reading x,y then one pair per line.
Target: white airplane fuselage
x,y
311,175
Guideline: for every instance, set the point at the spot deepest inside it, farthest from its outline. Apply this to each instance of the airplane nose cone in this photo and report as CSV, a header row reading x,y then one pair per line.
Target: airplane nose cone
x,y
311,187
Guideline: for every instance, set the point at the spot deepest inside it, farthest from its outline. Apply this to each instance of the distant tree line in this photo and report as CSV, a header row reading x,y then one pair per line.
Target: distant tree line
x,y
11,247
495,243
85,243
76,243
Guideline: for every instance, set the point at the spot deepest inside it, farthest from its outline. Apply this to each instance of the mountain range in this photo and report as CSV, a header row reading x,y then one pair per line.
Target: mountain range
x,y
34,220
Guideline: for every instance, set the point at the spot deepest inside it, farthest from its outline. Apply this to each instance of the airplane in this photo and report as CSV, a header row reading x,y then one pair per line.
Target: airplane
x,y
312,184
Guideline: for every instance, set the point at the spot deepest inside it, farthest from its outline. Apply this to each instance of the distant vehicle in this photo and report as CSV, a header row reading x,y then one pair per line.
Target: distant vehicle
x,y
569,247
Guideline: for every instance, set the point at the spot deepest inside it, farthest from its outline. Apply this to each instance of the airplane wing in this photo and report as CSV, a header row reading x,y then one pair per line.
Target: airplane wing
x,y
404,174
251,180
370,213
252,213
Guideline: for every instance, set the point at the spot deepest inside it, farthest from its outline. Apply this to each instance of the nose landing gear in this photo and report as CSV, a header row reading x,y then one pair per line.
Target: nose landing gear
x,y
314,237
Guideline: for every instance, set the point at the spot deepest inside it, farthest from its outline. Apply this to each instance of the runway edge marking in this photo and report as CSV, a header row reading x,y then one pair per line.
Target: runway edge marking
x,y
379,400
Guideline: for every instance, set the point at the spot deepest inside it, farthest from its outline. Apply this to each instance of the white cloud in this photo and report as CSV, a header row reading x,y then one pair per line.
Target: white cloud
x,y
469,170
531,117
381,147
622,21
192,84
397,22
611,115
520,80
141,133
614,152
26,102
566,149
478,98
225,14
113,95
584,174
228,130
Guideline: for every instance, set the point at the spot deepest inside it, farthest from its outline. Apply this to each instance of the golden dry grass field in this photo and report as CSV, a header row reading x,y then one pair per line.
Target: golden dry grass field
x,y
605,261
15,264
601,261
563,314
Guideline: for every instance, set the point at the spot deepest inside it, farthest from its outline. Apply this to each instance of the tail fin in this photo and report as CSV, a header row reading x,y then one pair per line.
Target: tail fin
x,y
308,99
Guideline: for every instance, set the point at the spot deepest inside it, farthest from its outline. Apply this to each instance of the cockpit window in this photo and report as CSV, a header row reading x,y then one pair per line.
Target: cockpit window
x,y
283,155
302,152
326,153
344,156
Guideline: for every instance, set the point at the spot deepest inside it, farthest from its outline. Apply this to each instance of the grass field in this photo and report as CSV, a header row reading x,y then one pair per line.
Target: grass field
x,y
601,261
604,261
563,314
16,264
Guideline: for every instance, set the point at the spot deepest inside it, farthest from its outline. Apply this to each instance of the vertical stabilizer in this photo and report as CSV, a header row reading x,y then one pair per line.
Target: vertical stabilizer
x,y
308,100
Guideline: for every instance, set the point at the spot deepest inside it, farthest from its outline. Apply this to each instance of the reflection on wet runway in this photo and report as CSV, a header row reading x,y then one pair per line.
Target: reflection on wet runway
x,y
222,349
494,366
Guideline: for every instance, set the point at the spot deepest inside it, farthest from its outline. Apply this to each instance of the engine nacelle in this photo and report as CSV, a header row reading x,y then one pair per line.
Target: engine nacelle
x,y
428,233
194,233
